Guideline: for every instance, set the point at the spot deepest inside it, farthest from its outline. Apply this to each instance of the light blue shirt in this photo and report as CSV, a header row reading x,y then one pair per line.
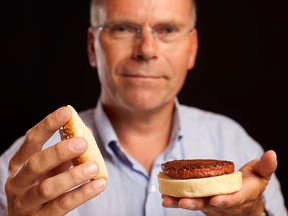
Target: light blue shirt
x,y
131,191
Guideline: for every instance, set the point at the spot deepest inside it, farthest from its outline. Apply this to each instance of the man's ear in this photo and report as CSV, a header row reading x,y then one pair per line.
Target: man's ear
x,y
90,48
194,49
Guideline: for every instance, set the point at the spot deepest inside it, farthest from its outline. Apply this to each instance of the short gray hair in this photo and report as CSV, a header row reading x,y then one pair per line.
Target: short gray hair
x,y
94,15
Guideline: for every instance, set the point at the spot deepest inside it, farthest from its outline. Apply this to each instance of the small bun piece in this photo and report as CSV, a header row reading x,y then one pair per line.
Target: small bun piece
x,y
207,183
75,127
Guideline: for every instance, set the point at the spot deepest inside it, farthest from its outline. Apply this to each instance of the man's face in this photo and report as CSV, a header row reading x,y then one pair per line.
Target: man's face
x,y
142,73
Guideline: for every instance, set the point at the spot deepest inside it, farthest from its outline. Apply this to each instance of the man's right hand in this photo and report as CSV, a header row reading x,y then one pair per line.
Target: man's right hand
x,y
42,182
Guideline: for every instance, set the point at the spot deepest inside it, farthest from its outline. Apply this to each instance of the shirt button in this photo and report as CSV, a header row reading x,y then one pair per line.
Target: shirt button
x,y
152,188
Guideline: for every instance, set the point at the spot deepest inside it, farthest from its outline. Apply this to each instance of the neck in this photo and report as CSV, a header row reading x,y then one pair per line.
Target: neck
x,y
144,136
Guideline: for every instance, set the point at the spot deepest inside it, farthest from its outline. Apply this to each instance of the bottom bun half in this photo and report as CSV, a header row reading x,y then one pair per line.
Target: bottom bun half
x,y
200,187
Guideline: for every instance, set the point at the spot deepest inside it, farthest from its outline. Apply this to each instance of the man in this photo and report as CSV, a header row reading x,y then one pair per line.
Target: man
x,y
142,51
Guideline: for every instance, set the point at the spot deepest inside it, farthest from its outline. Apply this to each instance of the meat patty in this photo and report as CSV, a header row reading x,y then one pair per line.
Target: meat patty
x,y
197,168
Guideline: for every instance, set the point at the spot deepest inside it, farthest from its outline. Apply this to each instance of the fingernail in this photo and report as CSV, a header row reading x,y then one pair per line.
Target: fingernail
x,y
91,168
174,204
61,113
219,204
99,184
191,206
78,144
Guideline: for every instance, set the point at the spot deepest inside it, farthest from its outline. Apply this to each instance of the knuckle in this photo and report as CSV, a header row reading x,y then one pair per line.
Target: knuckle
x,y
9,187
84,192
18,205
58,153
50,211
73,176
12,167
45,190
32,165
77,174
65,202
29,135
49,123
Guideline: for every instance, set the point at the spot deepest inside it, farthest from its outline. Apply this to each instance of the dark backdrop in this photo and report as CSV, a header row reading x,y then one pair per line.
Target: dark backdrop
x,y
240,71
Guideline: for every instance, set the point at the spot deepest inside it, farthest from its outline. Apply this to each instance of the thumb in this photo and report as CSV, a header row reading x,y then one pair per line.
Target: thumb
x,y
267,164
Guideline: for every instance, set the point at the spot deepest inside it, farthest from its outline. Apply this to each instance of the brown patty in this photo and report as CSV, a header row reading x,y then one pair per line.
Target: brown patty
x,y
197,168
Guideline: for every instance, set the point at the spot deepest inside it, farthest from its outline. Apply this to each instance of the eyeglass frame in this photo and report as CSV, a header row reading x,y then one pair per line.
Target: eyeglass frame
x,y
137,30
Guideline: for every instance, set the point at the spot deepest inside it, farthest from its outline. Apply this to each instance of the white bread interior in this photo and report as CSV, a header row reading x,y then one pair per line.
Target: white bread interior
x,y
200,187
75,127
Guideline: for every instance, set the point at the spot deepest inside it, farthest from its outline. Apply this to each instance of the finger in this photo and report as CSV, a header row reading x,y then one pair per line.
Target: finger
x,y
267,164
185,203
169,202
256,175
194,203
38,135
44,161
55,186
72,199
229,200
235,203
57,170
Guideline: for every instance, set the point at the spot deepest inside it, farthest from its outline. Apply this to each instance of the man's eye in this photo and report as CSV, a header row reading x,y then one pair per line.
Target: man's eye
x,y
167,30
118,28
122,28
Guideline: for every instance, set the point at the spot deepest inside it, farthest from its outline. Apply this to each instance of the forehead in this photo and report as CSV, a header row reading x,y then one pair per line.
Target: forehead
x,y
145,11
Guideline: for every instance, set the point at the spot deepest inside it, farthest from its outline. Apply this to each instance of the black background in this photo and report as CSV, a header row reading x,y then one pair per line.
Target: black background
x,y
240,71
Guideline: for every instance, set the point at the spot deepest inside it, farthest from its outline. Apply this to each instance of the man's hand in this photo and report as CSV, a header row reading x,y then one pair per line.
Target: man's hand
x,y
247,201
42,182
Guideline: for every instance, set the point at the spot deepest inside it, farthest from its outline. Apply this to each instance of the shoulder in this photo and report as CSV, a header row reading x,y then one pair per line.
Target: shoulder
x,y
84,114
195,115
211,123
88,116
217,135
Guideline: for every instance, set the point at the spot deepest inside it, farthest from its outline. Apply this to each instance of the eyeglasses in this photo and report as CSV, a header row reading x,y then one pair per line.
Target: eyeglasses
x,y
164,32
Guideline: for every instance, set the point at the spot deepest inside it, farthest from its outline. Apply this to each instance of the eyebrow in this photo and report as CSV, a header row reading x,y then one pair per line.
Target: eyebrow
x,y
130,22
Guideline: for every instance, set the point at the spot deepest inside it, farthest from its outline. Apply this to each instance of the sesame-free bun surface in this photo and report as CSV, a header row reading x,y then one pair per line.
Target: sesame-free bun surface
x,y
200,187
75,127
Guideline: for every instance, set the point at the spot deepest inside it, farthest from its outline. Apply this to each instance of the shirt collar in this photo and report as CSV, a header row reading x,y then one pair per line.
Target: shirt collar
x,y
104,127
107,135
174,149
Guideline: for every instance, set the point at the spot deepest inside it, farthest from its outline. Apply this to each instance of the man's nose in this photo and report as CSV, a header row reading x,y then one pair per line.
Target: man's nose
x,y
146,45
